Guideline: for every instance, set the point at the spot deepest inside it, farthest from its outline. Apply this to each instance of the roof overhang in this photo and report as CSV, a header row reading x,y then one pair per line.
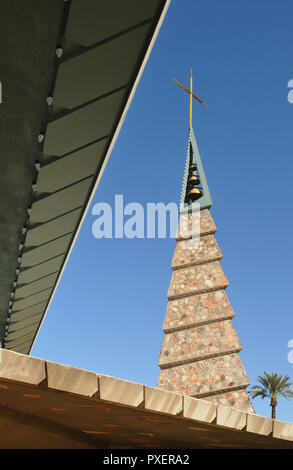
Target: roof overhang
x,y
70,70
49,405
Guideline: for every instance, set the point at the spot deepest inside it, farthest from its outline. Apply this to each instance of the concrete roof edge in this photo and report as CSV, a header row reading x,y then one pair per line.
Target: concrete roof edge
x,y
28,370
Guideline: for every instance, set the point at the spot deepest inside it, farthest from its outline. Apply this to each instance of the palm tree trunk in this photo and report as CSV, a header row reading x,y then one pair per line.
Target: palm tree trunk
x,y
273,405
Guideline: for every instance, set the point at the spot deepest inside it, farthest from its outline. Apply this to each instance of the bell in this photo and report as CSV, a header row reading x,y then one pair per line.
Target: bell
x,y
194,194
193,181
193,167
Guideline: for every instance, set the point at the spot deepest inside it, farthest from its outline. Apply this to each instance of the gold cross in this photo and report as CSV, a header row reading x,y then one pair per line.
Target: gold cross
x,y
190,97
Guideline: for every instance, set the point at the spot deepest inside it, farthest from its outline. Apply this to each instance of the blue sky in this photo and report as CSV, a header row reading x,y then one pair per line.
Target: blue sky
x,y
108,311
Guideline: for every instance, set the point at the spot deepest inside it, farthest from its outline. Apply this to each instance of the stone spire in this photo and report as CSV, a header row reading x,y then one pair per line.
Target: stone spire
x,y
199,355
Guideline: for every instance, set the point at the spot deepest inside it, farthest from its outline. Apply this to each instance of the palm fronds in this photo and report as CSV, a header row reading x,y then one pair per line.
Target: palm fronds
x,y
271,385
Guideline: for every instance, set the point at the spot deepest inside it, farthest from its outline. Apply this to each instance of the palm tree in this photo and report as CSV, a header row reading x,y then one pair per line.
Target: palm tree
x,y
271,386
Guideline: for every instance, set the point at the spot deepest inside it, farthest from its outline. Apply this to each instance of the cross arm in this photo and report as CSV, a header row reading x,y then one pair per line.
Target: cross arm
x,y
188,91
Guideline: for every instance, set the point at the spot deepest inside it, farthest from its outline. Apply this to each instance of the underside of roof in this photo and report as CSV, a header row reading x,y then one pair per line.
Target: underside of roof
x,y
46,405
69,70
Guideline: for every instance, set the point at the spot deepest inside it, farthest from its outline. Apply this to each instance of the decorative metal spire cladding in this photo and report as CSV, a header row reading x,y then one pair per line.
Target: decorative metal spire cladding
x,y
195,188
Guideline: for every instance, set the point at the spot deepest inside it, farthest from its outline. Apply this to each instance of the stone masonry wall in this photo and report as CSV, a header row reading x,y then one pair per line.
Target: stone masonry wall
x,y
205,377
197,309
188,221
198,278
199,354
236,399
203,341
194,251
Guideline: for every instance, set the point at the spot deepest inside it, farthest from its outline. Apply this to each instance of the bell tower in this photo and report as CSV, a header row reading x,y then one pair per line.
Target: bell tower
x,y
199,355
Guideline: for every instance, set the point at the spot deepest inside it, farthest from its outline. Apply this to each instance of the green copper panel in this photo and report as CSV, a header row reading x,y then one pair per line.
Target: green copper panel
x,y
193,156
